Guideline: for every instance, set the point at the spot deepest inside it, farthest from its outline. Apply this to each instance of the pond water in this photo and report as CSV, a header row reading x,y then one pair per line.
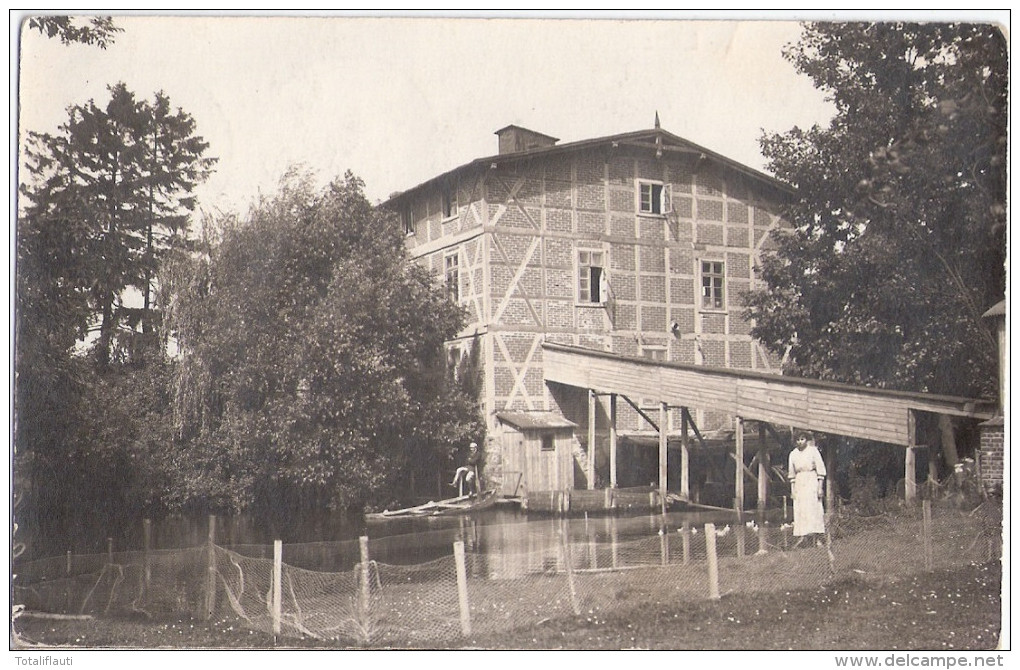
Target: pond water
x,y
329,542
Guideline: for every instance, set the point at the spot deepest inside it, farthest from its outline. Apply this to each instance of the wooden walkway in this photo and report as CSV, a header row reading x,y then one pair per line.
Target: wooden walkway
x,y
827,407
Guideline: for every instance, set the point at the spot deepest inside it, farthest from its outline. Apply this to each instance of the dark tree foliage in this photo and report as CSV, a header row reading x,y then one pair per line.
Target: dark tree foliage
x,y
102,201
313,370
109,194
97,30
898,240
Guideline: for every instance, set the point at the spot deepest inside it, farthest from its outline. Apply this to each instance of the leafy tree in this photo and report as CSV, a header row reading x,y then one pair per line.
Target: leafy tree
x,y
898,239
115,186
311,353
98,30
102,201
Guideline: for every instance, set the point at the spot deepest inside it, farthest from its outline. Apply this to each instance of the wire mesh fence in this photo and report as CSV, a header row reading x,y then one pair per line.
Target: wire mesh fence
x,y
346,592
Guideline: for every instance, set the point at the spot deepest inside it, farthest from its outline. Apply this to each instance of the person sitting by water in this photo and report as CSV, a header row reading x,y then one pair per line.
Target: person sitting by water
x,y
468,474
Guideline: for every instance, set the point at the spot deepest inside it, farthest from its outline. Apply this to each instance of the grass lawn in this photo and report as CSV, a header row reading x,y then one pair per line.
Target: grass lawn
x,y
943,610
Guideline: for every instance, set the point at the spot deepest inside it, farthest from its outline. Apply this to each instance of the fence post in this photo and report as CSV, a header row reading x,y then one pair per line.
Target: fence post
x,y
686,535
365,575
67,584
210,580
146,548
462,594
568,564
663,542
713,564
277,587
926,534
740,539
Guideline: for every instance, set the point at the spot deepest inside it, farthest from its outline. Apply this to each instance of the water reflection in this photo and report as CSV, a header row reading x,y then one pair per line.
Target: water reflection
x,y
500,543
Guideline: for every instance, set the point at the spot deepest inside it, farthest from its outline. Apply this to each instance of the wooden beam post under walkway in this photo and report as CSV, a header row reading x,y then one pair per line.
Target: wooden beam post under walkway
x,y
663,446
764,466
909,459
613,442
685,455
591,439
738,496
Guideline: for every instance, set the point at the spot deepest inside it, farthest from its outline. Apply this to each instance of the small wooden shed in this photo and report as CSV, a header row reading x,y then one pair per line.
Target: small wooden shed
x,y
538,452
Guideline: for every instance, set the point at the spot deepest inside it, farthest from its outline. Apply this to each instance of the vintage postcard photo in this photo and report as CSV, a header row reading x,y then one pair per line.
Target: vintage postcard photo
x,y
510,332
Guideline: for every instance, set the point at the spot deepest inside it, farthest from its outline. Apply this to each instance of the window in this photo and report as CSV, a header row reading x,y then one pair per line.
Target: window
x,y
452,266
712,277
590,276
655,353
407,220
654,198
548,442
450,208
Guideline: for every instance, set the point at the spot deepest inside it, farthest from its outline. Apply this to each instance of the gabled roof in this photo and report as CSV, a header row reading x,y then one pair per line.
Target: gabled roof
x,y
653,135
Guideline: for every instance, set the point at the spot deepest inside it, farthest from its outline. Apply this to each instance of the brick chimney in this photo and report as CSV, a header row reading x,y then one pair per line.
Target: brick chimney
x,y
513,139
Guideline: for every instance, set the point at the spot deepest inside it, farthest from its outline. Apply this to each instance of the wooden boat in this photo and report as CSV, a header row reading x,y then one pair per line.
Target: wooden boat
x,y
465,504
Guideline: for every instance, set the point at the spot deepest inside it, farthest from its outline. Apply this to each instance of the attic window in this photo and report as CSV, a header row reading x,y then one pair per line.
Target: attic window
x,y
654,197
407,220
450,208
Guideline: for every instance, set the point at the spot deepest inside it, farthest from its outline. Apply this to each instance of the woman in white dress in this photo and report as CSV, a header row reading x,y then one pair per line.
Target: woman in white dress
x,y
807,485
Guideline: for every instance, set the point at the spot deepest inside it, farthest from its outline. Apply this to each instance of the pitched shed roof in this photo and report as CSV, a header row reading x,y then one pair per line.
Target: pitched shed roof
x,y
534,420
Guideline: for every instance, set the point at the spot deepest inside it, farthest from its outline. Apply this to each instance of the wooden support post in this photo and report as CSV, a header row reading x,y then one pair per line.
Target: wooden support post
x,y
366,584
277,586
685,455
462,593
713,562
613,442
909,459
741,539
830,478
210,583
663,425
146,548
591,439
909,481
926,533
764,465
738,499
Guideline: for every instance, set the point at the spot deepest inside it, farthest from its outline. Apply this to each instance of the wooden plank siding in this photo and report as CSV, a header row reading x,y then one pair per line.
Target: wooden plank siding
x,y
828,407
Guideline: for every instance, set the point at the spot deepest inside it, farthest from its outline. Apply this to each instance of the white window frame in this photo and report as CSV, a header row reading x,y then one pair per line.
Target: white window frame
x,y
659,197
660,349
707,291
585,281
451,264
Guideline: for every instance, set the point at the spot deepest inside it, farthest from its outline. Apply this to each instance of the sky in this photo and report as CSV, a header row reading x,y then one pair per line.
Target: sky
x,y
398,100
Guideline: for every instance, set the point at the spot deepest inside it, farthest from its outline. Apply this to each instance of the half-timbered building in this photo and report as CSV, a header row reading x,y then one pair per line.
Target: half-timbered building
x,y
639,244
